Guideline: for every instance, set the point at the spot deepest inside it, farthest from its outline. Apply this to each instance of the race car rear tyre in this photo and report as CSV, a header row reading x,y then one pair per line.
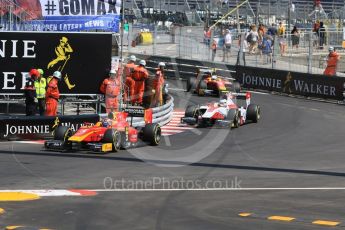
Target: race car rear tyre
x,y
113,136
253,113
152,134
202,87
191,83
62,133
192,111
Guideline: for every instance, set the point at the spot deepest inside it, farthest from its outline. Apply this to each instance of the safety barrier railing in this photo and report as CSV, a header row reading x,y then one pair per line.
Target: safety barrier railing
x,y
72,102
282,81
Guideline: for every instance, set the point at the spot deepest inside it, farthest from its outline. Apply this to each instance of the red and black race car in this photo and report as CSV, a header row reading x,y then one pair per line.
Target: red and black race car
x,y
109,135
207,82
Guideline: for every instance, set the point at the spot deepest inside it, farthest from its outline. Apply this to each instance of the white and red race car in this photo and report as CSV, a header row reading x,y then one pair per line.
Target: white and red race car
x,y
226,113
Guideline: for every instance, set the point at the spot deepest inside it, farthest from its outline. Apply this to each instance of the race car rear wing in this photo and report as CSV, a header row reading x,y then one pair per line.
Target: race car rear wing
x,y
243,96
136,111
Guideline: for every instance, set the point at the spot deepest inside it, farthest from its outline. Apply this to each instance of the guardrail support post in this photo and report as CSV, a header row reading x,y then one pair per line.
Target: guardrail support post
x,y
310,49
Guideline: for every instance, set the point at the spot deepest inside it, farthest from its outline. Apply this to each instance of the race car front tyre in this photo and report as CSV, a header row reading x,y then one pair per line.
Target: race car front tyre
x,y
62,133
191,83
192,111
253,113
113,136
152,134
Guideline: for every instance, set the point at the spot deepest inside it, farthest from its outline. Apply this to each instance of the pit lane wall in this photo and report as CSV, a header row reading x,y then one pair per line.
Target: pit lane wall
x,y
256,78
38,127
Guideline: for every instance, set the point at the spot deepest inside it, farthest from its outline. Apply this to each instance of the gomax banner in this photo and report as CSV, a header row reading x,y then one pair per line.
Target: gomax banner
x,y
84,59
303,84
38,128
72,15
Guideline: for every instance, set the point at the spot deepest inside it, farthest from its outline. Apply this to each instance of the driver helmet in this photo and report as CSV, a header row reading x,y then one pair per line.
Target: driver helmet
x,y
331,49
214,77
105,123
222,102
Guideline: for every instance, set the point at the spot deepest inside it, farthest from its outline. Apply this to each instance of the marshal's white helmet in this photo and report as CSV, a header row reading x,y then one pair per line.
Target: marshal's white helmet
x,y
133,58
57,74
142,62
161,64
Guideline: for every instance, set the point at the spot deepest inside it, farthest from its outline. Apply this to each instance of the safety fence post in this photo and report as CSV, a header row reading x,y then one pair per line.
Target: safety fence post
x,y
310,51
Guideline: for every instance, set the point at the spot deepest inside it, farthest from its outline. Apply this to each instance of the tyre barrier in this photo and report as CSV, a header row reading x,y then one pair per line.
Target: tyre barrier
x,y
38,127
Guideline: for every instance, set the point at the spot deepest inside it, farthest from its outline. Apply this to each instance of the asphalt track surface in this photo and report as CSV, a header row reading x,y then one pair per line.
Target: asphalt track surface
x,y
297,144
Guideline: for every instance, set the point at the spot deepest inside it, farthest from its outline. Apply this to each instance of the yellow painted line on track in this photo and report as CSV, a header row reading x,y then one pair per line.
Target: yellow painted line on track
x,y
326,223
281,218
24,227
13,227
245,214
17,196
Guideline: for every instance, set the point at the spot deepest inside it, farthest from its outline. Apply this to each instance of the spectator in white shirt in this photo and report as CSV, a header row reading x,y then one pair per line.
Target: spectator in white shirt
x,y
227,45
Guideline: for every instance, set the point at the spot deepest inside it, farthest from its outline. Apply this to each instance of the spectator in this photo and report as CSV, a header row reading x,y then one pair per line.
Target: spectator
x,y
316,33
227,45
252,39
267,48
272,31
207,36
295,35
281,39
214,49
332,62
261,33
322,35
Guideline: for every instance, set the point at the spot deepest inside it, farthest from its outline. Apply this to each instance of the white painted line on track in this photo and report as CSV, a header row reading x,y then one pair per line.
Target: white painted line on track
x,y
175,128
214,189
40,142
177,89
93,192
171,131
255,92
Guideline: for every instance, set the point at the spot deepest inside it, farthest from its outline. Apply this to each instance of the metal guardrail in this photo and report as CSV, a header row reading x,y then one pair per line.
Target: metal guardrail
x,y
182,69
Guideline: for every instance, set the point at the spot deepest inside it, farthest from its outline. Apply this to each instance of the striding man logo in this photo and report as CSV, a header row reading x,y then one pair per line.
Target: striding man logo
x,y
63,54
